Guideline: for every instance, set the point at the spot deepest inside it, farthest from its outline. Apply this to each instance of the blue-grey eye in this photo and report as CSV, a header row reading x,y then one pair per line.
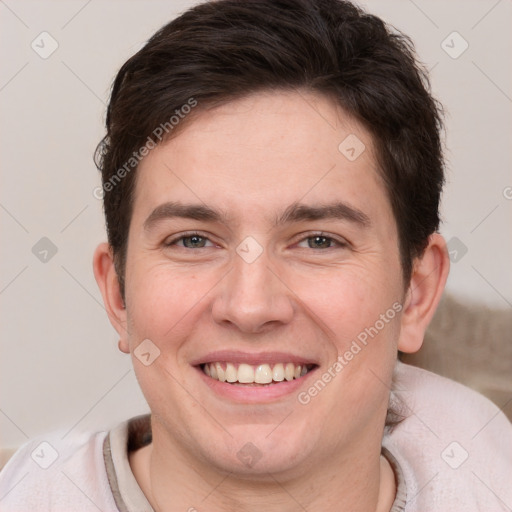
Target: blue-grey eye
x,y
319,242
194,241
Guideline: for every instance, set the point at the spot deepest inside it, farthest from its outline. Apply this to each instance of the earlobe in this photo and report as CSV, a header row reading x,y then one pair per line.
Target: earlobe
x,y
428,280
108,282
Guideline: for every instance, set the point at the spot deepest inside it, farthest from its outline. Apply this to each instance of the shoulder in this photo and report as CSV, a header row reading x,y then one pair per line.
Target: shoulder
x,y
57,473
454,445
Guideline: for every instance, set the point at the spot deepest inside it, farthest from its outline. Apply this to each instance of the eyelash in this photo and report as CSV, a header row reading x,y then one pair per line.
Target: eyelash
x,y
191,234
340,243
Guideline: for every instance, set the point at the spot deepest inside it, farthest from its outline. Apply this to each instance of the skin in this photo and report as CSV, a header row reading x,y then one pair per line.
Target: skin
x,y
251,159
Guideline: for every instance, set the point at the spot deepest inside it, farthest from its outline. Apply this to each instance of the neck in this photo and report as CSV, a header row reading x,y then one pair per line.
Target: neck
x,y
362,482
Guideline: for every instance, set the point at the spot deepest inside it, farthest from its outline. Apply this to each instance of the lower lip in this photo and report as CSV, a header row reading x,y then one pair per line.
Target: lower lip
x,y
255,394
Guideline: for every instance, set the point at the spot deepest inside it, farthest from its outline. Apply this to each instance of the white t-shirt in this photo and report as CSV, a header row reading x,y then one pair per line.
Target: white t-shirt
x,y
452,453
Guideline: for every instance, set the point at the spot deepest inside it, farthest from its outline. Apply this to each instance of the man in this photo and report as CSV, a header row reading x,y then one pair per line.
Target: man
x,y
271,177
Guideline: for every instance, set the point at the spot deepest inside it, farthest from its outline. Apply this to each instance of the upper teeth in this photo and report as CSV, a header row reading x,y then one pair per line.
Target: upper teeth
x,y
260,374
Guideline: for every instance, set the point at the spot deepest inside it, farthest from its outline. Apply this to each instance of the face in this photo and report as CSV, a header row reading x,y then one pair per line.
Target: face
x,y
257,242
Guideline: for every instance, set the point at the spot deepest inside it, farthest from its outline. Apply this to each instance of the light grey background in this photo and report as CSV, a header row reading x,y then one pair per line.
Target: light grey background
x,y
60,366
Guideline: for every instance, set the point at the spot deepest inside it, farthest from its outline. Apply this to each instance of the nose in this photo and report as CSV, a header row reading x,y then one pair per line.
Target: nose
x,y
253,297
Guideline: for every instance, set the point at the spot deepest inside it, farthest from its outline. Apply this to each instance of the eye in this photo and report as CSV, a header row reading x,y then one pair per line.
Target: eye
x,y
320,241
190,241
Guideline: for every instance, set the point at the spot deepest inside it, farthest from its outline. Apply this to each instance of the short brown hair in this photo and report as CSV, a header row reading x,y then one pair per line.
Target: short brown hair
x,y
222,50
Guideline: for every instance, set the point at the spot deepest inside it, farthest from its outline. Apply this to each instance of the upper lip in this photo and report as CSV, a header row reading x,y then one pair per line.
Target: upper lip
x,y
236,356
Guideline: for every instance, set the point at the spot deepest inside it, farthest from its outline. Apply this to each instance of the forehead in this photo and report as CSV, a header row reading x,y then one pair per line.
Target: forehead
x,y
262,153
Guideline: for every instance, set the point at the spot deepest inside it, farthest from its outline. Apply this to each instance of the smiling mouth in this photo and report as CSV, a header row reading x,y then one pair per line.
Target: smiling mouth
x,y
256,375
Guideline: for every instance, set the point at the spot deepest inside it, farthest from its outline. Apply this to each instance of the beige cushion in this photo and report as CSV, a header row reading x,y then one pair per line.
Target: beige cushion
x,y
5,455
472,344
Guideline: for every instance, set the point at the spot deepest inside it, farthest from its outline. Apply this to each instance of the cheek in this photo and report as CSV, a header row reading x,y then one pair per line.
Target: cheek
x,y
361,313
163,302
351,299
163,306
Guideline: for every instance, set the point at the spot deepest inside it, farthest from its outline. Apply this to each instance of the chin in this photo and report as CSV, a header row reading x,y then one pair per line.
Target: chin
x,y
260,465
253,452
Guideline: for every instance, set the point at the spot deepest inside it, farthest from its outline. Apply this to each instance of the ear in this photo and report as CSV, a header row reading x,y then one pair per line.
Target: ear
x,y
108,282
428,279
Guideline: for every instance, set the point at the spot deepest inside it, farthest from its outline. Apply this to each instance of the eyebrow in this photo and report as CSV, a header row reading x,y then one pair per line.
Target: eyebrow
x,y
337,211
185,211
296,212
